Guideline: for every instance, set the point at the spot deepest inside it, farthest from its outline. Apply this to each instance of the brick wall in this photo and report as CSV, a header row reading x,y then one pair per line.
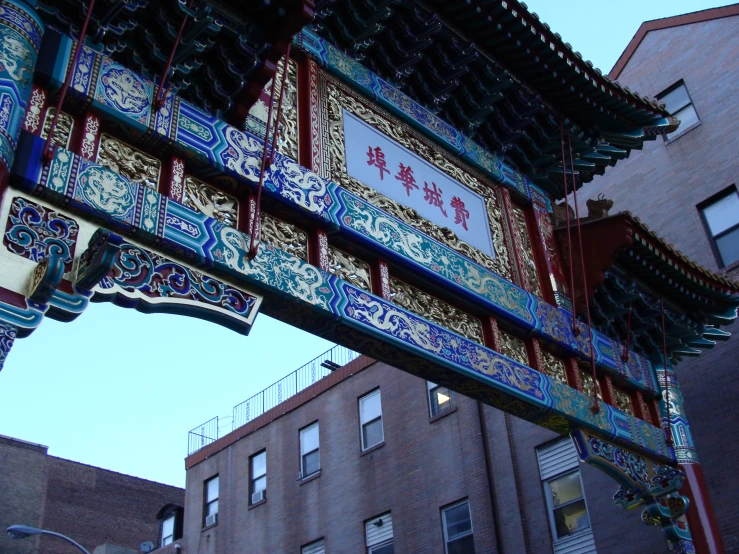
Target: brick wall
x,y
662,184
22,484
91,505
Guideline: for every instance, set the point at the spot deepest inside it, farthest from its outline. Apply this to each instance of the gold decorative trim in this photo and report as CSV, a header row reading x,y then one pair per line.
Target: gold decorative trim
x,y
284,236
63,129
623,401
337,97
513,347
554,367
419,302
129,162
347,267
527,254
587,384
214,203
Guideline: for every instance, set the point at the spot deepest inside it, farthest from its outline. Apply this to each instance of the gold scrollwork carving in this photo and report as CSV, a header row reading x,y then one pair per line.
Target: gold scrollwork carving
x,y
554,367
212,202
287,141
417,301
349,268
129,162
513,347
587,384
338,99
63,129
527,256
623,401
284,236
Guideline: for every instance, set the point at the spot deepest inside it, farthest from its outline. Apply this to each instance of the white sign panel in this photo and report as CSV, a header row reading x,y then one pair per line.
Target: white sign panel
x,y
381,163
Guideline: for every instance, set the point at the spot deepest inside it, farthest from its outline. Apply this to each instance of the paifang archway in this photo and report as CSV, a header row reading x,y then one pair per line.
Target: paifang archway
x,y
102,220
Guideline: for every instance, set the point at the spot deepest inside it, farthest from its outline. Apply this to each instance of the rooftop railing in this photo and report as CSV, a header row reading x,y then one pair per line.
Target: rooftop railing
x,y
287,387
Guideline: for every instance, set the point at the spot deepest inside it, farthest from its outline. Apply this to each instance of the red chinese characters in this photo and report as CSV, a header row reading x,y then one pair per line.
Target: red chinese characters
x,y
405,176
375,157
433,196
460,212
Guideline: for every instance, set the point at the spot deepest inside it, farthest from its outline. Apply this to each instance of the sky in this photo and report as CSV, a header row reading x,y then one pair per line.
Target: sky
x,y
120,390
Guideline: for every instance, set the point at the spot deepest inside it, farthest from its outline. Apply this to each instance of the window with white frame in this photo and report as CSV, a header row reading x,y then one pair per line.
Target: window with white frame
x,y
565,500
168,530
316,547
211,501
310,454
258,485
441,399
379,535
678,103
720,215
457,523
370,419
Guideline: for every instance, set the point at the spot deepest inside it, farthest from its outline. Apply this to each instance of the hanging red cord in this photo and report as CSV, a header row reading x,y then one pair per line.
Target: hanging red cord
x,y
668,427
625,353
575,329
50,147
265,162
595,408
161,93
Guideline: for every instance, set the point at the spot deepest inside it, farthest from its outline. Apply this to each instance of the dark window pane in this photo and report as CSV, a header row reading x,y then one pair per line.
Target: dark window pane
x,y
566,489
211,508
372,433
571,518
465,545
728,247
723,214
457,520
385,549
311,463
676,99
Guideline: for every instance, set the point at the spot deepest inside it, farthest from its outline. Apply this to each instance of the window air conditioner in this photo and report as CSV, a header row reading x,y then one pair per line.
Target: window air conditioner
x,y
258,496
211,519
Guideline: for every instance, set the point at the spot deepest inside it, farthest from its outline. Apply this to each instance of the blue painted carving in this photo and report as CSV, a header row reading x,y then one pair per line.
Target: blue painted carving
x,y
151,283
20,39
35,232
682,436
97,261
120,90
7,335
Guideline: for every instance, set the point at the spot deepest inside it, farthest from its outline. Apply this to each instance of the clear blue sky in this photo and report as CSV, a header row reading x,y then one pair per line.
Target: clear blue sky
x,y
120,390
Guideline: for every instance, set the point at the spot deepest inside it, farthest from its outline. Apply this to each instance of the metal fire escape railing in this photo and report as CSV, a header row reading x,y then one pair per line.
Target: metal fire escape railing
x,y
287,387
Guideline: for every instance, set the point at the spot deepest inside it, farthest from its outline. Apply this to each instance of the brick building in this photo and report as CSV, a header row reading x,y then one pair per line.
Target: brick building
x,y
93,506
434,471
684,186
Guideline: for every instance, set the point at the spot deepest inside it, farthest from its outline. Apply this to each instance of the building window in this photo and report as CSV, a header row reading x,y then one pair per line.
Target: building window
x,y
379,534
168,530
258,477
441,399
370,419
457,524
720,215
310,456
678,103
211,501
316,547
568,513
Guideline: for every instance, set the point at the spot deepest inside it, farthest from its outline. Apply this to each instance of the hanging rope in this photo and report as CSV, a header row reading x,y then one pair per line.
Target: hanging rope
x,y
253,248
668,427
595,408
625,353
575,329
161,93
50,146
